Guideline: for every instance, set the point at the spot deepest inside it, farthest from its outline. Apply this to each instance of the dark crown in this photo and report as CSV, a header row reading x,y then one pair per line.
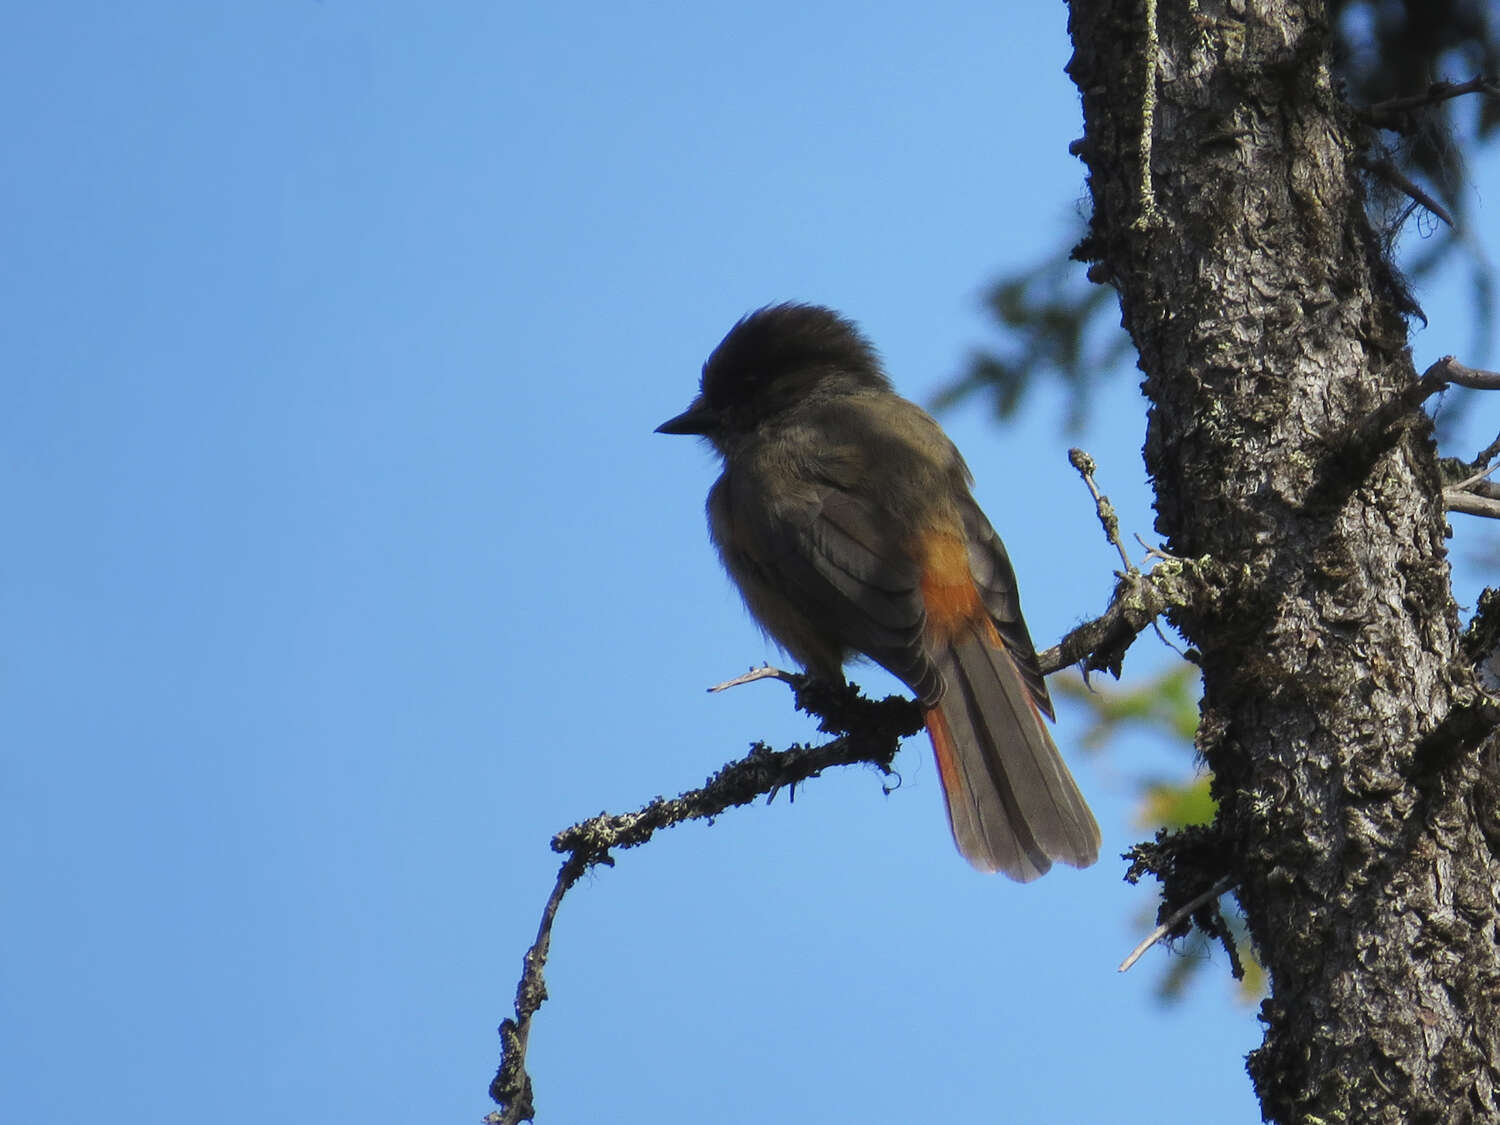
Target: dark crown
x,y
787,348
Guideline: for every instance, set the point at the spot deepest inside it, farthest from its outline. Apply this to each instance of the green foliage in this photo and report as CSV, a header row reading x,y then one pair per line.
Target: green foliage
x,y
1177,805
1056,325
1166,706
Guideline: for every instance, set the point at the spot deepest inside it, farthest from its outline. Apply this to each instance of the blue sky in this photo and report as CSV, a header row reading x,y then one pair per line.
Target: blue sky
x,y
345,568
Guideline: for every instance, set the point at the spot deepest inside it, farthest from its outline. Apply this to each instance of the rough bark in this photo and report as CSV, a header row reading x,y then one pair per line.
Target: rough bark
x,y
1338,710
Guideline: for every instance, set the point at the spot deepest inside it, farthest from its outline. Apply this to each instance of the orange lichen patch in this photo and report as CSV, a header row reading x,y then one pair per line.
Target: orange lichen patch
x,y
952,602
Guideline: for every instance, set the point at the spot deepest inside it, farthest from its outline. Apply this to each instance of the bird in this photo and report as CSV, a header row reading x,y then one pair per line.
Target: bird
x,y
846,518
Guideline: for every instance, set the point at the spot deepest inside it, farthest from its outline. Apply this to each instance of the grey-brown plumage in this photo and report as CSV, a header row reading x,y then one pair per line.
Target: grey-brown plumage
x,y
844,515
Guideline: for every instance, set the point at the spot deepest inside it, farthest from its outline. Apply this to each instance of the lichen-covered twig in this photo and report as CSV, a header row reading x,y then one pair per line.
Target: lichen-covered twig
x,y
1148,215
866,732
1087,467
870,732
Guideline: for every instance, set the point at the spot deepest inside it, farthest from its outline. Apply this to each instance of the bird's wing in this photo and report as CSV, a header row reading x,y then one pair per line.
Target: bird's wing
x,y
832,556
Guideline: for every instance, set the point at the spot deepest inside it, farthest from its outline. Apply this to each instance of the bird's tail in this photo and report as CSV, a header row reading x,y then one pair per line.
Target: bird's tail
x,y
1012,803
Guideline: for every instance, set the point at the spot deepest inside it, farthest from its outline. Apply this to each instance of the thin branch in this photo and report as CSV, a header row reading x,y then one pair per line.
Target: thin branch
x,y
511,1087
1386,170
1487,454
1391,114
871,734
760,773
1474,495
1470,504
1475,378
1086,467
1177,917
1446,372
1137,601
764,672
1166,640
1102,642
1156,552
1468,483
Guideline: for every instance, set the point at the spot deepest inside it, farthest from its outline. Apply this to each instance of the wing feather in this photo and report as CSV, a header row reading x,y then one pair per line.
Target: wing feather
x,y
831,556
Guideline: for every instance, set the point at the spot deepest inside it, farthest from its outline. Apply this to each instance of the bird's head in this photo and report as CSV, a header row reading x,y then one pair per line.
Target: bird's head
x,y
773,360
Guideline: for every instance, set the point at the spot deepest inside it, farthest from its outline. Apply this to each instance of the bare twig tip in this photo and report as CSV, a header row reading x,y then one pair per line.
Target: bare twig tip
x,y
1223,886
1086,467
764,672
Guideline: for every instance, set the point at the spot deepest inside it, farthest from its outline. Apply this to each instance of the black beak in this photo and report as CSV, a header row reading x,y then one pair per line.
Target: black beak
x,y
696,419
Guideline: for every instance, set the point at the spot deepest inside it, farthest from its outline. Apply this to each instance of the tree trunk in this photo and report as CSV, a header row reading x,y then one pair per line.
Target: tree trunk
x,y
1270,328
